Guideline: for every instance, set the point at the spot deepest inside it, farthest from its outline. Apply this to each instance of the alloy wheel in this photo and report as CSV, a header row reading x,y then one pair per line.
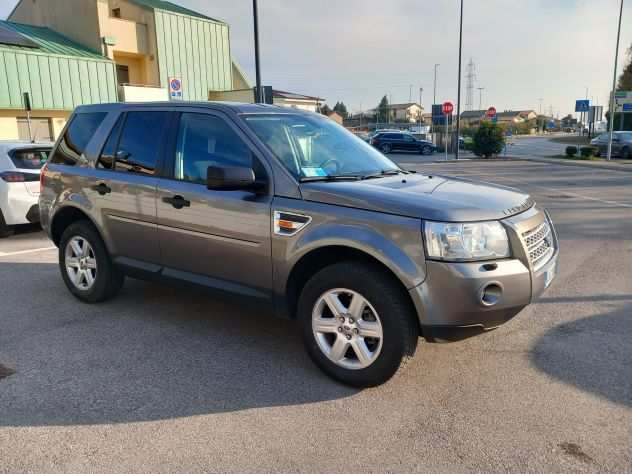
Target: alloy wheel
x,y
81,263
347,328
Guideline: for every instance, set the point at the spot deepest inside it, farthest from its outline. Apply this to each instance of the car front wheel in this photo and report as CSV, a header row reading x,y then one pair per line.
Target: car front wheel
x,y
386,148
426,150
85,264
357,325
5,230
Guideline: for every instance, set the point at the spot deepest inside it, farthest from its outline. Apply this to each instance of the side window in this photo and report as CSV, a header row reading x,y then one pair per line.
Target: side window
x,y
106,159
408,138
74,141
203,141
398,136
139,144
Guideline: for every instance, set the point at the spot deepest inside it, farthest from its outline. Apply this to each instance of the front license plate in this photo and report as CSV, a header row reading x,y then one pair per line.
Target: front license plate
x,y
549,275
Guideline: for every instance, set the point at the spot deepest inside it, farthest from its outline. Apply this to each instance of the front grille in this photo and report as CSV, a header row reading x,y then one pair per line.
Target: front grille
x,y
539,242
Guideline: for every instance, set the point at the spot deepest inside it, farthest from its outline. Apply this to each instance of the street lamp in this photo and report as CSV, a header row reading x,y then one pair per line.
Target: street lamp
x,y
614,85
255,15
458,100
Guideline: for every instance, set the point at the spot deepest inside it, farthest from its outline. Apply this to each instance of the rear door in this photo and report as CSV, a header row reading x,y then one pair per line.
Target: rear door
x,y
124,184
216,238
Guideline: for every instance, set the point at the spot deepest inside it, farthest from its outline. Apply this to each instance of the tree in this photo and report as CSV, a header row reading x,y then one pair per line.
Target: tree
x,y
341,109
325,110
625,79
489,139
383,110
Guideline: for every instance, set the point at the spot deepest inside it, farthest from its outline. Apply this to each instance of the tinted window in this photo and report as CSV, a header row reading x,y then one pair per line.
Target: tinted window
x,y
408,138
106,159
203,141
29,158
139,144
74,141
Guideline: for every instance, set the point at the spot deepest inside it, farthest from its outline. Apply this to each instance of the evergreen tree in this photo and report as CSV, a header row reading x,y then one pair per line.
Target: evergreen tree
x,y
383,109
625,79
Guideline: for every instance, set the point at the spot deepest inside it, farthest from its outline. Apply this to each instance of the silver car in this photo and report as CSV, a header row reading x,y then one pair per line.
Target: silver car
x,y
287,210
621,144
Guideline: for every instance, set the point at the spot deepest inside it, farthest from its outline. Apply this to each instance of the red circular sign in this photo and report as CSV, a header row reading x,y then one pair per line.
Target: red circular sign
x,y
491,111
448,107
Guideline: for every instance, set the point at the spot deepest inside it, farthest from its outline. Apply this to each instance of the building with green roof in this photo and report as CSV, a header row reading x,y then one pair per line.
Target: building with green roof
x,y
91,51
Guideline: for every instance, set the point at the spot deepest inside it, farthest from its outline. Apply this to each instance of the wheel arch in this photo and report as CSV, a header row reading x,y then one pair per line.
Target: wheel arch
x,y
66,216
321,257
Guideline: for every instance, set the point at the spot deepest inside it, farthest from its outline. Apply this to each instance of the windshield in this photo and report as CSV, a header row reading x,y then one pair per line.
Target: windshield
x,y
313,147
29,158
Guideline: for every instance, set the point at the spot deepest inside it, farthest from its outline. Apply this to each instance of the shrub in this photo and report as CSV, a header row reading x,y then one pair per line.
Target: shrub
x,y
571,151
586,152
489,140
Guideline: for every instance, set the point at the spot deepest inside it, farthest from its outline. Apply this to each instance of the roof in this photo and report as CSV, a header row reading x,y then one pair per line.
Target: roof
x,y
171,7
405,105
235,107
473,114
48,41
508,113
294,96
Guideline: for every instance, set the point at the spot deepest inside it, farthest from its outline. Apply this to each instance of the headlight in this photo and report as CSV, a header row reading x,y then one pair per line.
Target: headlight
x,y
466,241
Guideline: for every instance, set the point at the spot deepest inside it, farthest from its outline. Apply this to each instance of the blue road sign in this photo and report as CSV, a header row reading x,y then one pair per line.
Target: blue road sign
x,y
582,105
627,107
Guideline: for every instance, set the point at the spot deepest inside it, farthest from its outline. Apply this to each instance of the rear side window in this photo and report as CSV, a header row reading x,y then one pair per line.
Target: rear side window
x,y
139,144
106,159
28,158
74,141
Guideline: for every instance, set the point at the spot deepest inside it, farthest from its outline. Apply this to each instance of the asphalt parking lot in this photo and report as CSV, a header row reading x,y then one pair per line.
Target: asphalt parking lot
x,y
165,379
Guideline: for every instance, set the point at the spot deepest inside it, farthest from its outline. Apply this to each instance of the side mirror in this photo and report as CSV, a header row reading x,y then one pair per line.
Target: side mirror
x,y
122,155
230,178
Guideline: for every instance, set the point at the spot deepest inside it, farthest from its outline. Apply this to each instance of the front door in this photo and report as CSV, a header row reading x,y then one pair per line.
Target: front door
x,y
216,238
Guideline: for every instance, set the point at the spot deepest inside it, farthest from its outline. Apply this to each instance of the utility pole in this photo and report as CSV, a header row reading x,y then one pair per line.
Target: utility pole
x,y
480,97
470,77
458,100
421,111
410,93
614,85
255,15
434,99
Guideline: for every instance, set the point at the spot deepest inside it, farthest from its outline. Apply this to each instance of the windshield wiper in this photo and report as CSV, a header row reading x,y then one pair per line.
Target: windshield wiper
x,y
382,173
333,177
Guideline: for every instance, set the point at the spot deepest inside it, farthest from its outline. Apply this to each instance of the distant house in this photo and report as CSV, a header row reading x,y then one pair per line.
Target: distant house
x,y
336,117
409,112
282,98
510,117
472,118
528,114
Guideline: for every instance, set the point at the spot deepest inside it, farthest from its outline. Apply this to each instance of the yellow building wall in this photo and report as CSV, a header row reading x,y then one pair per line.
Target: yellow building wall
x,y
136,66
9,123
76,19
8,128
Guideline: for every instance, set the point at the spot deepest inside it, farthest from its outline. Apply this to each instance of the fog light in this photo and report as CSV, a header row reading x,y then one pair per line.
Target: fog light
x,y
490,294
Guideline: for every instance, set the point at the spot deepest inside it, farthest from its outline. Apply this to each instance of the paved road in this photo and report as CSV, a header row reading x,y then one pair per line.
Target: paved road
x,y
535,146
163,379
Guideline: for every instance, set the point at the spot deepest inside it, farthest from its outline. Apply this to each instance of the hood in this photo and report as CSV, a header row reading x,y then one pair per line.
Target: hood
x,y
422,196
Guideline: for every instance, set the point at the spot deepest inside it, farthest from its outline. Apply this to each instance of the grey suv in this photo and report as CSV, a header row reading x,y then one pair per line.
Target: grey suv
x,y
290,211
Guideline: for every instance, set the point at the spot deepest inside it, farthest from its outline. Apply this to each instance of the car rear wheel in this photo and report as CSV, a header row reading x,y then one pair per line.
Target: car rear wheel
x,y
357,326
386,148
5,230
426,150
86,266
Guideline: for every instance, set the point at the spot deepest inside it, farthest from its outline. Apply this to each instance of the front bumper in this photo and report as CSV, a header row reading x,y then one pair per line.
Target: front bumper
x,y
459,300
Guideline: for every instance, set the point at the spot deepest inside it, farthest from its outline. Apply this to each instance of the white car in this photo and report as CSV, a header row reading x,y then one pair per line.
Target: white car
x,y
20,164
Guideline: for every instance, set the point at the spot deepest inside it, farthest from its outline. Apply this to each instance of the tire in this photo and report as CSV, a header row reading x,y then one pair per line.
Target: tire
x,y
384,303
426,150
386,148
5,230
107,280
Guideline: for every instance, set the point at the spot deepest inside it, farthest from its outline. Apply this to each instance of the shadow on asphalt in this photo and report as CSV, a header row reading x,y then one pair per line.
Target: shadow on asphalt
x,y
593,353
152,353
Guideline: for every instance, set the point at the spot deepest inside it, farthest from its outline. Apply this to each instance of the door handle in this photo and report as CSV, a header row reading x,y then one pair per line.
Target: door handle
x,y
102,189
177,201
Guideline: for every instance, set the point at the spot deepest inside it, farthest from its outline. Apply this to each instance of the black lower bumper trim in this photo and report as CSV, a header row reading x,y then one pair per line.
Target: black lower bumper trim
x,y
33,216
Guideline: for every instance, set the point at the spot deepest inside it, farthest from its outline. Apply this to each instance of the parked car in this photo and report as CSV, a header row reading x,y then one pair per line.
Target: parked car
x,y
287,209
621,144
387,142
20,164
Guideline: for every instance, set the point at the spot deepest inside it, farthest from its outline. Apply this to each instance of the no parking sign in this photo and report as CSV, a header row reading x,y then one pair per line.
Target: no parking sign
x,y
175,88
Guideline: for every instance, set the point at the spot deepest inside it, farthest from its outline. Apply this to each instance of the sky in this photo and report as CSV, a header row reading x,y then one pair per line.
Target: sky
x,y
356,51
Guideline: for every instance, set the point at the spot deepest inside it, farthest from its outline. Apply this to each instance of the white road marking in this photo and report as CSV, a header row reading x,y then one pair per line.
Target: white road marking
x,y
558,190
20,252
